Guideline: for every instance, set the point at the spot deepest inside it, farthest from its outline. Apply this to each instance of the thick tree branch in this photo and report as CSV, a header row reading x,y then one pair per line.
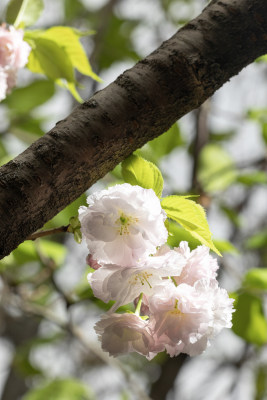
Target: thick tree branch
x,y
141,104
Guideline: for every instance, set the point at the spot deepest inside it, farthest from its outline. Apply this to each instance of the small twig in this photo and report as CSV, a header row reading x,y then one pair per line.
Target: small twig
x,y
47,232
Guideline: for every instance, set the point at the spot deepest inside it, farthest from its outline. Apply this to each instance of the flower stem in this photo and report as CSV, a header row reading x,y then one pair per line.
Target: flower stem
x,y
173,279
138,307
48,232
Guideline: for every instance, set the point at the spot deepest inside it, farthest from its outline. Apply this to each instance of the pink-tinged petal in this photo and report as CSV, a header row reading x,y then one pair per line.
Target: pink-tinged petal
x,y
125,333
199,264
123,224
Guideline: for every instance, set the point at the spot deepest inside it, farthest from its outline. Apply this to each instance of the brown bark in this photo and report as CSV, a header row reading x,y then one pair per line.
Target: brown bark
x,y
141,104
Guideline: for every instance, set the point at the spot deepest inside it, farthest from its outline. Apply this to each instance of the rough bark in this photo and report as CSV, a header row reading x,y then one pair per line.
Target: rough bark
x,y
141,104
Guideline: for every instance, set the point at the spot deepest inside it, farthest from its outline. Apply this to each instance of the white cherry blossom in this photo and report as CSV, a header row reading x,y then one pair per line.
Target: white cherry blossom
x,y
184,318
124,284
125,333
123,224
199,264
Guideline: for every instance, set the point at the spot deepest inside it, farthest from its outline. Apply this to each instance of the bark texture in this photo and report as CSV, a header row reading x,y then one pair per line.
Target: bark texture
x,y
141,104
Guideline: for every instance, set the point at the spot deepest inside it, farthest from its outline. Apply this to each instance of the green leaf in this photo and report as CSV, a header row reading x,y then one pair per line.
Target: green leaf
x,y
22,13
26,252
256,278
216,168
62,218
48,58
24,99
68,39
60,389
248,320
162,145
191,216
137,171
253,178
257,241
26,128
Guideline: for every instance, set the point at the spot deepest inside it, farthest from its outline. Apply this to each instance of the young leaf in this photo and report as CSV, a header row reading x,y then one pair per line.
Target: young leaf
x,y
22,13
48,58
68,39
24,99
256,278
137,171
249,321
191,216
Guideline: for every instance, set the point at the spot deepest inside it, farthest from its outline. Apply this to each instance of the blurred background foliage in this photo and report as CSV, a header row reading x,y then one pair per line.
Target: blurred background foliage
x,y
48,348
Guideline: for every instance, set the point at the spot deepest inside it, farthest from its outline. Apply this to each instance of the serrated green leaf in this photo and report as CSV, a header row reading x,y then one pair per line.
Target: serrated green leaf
x,y
191,216
248,320
60,389
256,278
48,58
138,171
216,168
22,13
24,99
178,234
68,39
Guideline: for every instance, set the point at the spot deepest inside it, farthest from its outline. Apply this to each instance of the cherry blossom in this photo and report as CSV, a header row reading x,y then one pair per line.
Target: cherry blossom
x,y
14,53
125,333
199,264
123,224
124,284
185,317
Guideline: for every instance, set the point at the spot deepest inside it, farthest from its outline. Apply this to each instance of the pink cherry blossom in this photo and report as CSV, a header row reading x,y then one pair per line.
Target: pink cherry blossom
x,y
124,284
184,318
123,224
199,264
14,54
125,333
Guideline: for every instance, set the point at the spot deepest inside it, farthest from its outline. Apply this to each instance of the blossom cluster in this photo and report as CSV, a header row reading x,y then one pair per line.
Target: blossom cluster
x,y
14,52
179,305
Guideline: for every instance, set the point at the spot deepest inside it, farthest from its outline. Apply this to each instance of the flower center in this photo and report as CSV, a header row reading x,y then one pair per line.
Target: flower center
x,y
142,277
124,222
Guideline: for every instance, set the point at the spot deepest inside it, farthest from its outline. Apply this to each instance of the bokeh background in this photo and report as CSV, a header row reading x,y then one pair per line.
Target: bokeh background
x,y
48,348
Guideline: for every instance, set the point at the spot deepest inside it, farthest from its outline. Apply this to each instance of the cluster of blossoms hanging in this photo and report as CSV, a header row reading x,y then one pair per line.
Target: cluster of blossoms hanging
x,y
179,305
14,52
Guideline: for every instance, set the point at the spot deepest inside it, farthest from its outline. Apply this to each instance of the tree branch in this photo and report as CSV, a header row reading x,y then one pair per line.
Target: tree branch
x,y
141,104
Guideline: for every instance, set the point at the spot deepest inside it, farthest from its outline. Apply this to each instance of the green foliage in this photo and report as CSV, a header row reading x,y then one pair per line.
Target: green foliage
x,y
116,44
216,169
249,321
22,100
61,389
162,145
27,252
253,178
256,278
178,234
257,241
137,171
56,52
75,228
191,216
63,217
23,13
